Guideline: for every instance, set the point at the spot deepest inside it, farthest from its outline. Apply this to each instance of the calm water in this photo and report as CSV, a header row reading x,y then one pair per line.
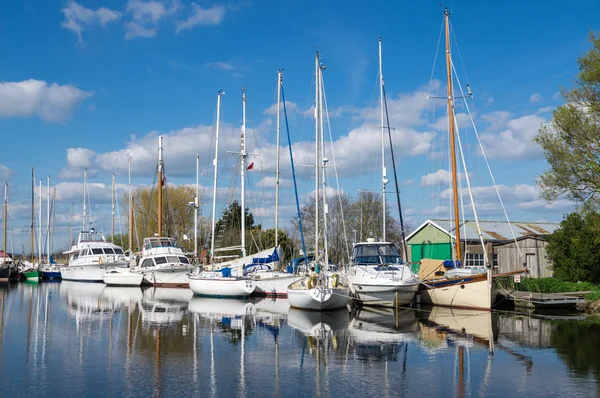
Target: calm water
x,y
77,339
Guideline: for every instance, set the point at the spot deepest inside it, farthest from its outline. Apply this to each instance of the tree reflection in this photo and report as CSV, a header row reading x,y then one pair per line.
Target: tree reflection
x,y
574,342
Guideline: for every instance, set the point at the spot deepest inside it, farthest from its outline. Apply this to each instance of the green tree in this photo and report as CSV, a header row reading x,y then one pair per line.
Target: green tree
x,y
574,248
571,140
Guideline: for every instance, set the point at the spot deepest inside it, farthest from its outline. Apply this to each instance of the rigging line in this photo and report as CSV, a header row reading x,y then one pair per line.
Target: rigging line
x,y
335,169
435,57
402,231
488,166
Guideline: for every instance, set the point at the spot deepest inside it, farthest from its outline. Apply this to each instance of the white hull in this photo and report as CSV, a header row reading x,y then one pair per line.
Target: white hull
x,y
124,278
318,298
272,284
167,277
216,308
382,294
318,324
473,295
211,284
84,273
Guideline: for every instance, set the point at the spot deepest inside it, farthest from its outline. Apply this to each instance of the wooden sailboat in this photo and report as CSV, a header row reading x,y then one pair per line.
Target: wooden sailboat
x,y
49,270
456,289
32,272
321,290
7,265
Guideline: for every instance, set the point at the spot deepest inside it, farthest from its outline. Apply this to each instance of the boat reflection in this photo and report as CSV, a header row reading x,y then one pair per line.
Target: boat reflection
x,y
164,306
85,301
319,324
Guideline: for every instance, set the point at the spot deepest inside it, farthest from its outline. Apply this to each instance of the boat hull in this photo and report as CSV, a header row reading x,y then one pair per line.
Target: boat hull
x,y
51,275
318,299
32,276
123,279
273,284
387,295
4,274
168,277
84,273
222,286
471,293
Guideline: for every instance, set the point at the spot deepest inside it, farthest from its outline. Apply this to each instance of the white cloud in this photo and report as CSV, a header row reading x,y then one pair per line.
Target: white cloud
x,y
78,18
269,182
485,194
439,177
536,97
202,17
515,141
5,172
145,16
538,204
289,105
51,103
546,109
556,95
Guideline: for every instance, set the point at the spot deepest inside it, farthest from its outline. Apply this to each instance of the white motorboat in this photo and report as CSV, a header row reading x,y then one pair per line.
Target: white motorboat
x,y
122,277
163,263
221,284
378,276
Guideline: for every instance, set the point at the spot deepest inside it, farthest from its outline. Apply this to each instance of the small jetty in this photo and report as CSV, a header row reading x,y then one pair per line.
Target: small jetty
x,y
543,300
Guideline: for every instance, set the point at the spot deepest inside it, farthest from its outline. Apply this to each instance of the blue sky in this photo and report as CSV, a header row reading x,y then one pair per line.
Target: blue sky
x,y
87,83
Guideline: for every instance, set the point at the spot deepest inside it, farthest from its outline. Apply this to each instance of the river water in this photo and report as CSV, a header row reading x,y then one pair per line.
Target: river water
x,y
77,339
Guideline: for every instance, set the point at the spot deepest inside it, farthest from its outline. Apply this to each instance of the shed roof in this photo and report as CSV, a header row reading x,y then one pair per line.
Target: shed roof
x,y
491,230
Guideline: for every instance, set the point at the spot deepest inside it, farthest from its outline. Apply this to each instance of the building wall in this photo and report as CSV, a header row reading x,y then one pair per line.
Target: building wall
x,y
431,234
533,252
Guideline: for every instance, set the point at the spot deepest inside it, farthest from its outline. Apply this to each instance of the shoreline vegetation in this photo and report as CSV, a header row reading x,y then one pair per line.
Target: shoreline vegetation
x,y
590,291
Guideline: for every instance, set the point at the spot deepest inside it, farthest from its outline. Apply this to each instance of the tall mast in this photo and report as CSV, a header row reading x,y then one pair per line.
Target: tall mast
x,y
112,220
32,214
384,179
317,109
5,215
160,183
40,226
279,78
452,135
53,220
71,224
324,161
215,164
84,202
48,224
130,205
243,172
196,205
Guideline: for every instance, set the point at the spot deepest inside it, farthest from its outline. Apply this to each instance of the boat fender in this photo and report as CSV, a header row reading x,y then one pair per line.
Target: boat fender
x,y
334,280
309,283
99,260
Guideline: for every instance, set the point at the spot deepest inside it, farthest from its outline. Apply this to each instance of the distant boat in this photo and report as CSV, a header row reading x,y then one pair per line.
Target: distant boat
x,y
31,269
7,265
122,277
92,256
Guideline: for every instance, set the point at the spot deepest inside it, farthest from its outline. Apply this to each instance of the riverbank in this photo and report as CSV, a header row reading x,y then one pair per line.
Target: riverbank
x,y
590,291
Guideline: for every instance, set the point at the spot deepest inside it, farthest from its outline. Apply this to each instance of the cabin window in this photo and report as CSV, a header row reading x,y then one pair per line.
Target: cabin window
x,y
165,243
184,260
474,260
147,263
97,251
74,256
108,250
118,251
155,243
173,259
160,260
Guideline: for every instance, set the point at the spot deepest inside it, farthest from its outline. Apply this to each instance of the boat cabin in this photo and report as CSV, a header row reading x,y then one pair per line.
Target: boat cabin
x,y
376,253
156,242
164,260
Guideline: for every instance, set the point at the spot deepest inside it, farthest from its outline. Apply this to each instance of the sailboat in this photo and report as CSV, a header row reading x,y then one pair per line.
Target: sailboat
x,y
49,270
92,256
7,265
321,290
31,269
229,280
377,275
163,262
269,282
450,283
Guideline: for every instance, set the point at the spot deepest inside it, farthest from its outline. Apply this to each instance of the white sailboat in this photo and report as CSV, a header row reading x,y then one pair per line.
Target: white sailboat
x,y
92,256
377,275
228,280
163,262
322,290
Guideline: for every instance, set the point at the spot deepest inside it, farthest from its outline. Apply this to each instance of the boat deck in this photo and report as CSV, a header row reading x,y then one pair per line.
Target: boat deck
x,y
542,300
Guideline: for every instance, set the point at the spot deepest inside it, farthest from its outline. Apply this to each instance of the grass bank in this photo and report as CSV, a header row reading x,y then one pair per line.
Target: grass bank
x,y
552,285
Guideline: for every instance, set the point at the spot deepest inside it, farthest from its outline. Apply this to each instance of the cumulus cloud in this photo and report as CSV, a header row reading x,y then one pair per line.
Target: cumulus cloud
x,y
51,103
535,97
289,105
79,18
515,193
5,172
202,17
515,138
145,16
439,177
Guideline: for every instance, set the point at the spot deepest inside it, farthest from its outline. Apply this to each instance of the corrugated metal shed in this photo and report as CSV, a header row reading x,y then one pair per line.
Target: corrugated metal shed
x,y
493,230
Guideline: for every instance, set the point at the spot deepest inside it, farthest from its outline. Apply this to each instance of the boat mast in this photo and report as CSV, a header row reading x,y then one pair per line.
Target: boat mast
x,y
32,214
40,226
53,220
215,164
196,205
324,161
130,206
452,135
112,220
84,204
384,179
160,183
5,215
279,78
48,224
317,108
243,172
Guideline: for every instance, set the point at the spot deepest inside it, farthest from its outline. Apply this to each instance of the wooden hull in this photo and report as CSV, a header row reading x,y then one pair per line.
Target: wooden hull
x,y
471,293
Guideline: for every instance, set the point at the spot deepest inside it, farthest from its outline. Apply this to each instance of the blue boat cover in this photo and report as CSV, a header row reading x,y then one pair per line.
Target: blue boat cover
x,y
449,264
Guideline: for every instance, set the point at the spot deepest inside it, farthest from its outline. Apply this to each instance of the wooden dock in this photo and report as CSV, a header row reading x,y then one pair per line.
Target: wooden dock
x,y
542,300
